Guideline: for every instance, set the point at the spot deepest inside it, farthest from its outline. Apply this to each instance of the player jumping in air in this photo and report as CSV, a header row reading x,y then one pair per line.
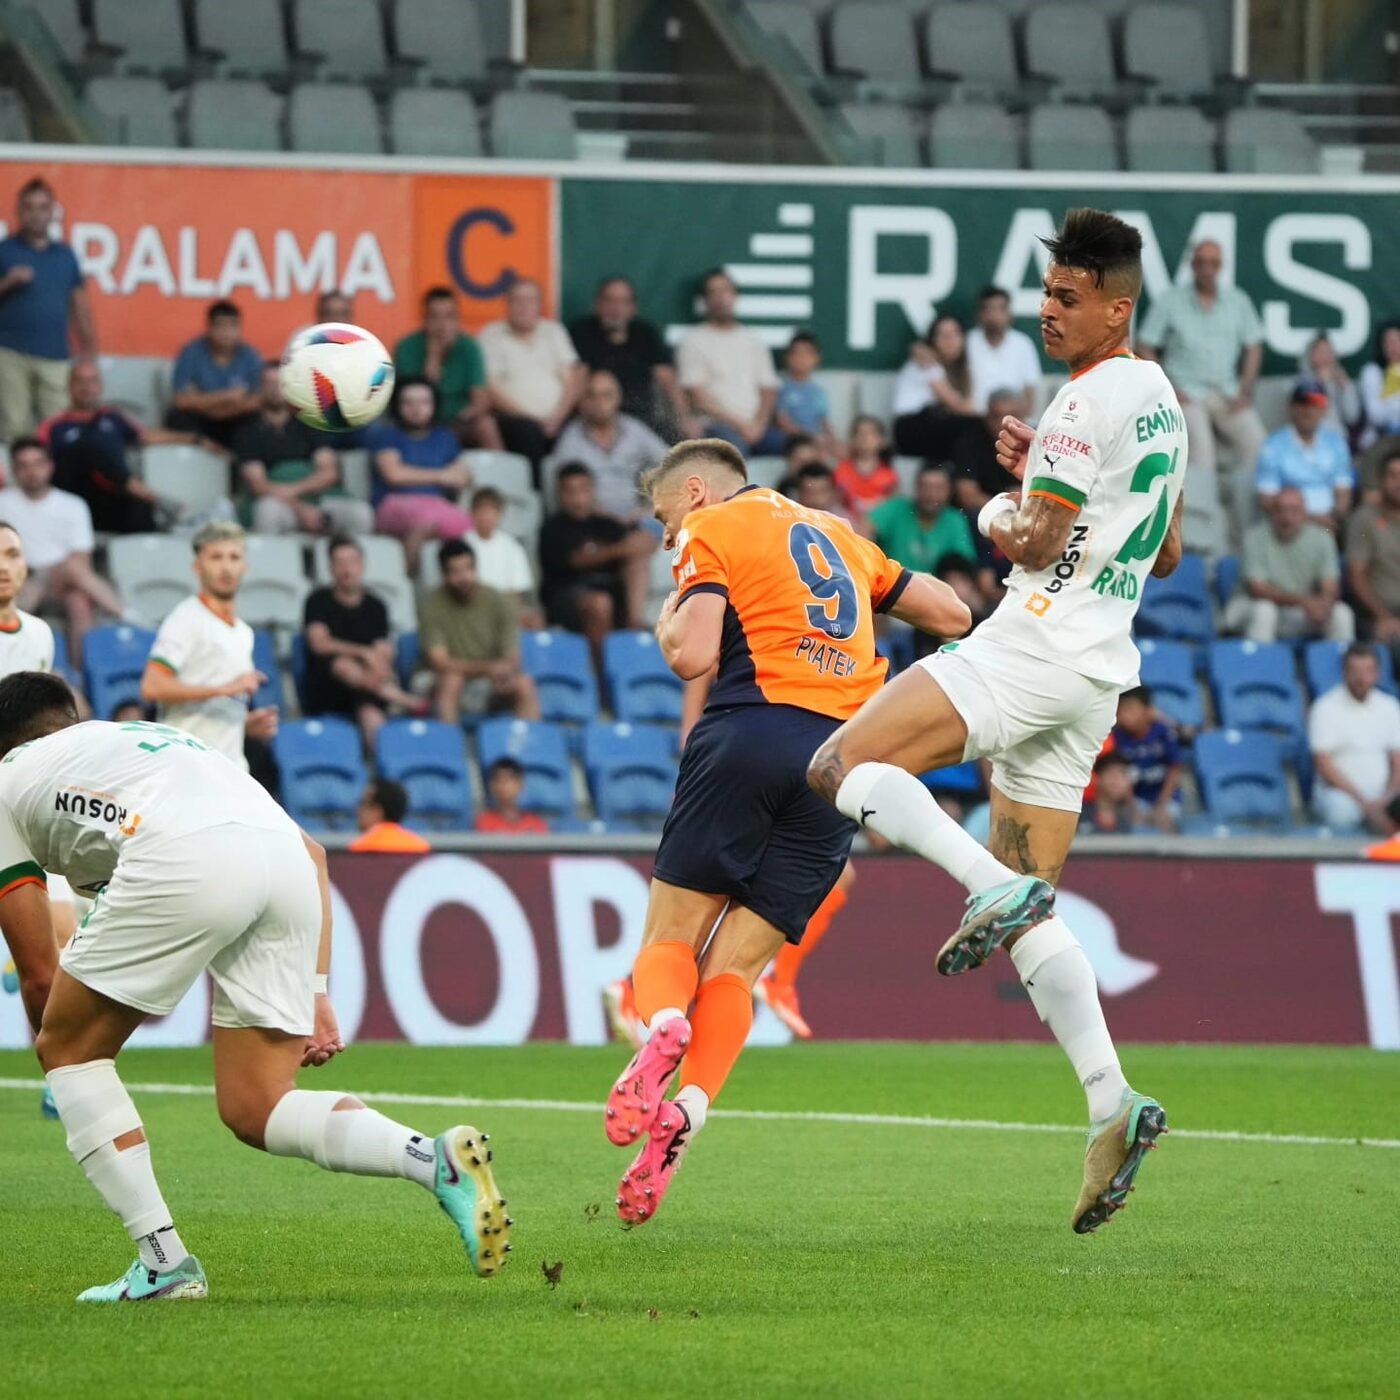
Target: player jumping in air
x,y
159,826
1036,686
781,599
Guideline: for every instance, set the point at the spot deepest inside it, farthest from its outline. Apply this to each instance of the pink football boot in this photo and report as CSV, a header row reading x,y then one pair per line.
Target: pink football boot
x,y
637,1096
646,1181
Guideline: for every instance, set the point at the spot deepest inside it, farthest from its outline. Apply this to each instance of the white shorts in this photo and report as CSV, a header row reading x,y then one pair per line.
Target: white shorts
x,y
1043,725
240,901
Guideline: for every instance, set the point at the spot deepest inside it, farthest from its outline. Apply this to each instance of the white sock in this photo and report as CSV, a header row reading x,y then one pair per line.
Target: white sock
x,y
307,1124
887,800
696,1103
667,1013
1055,970
96,1109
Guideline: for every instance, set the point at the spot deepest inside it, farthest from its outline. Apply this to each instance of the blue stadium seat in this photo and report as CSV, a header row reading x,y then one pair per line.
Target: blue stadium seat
x,y
322,771
62,662
897,647
1227,577
563,674
631,769
961,780
642,686
1322,665
1169,671
298,664
406,657
1178,606
591,826
265,660
429,759
542,750
113,660
1256,687
1242,779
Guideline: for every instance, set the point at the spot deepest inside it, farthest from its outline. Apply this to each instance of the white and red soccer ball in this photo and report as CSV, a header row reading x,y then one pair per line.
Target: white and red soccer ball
x,y
336,377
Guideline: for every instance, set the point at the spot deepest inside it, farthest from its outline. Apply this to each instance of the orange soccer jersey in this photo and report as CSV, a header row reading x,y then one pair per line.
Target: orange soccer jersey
x,y
802,590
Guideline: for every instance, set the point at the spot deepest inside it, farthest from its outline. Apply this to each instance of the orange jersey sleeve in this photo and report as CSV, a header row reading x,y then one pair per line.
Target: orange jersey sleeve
x,y
802,590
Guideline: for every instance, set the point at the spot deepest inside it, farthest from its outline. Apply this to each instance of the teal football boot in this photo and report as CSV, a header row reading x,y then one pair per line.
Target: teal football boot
x,y
992,917
466,1190
140,1285
1117,1148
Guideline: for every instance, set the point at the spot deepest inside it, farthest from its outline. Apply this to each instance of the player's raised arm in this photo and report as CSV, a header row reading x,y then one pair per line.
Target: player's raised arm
x,y
1032,535
689,632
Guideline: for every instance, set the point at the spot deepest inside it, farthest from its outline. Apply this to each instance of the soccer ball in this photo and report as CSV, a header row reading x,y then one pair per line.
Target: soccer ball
x,y
336,377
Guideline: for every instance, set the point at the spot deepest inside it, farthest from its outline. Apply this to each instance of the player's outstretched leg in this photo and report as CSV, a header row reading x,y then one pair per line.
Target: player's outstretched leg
x,y
778,988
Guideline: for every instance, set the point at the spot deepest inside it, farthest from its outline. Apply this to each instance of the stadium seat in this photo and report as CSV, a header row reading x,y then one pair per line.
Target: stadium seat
x,y
195,478
1179,605
14,117
1068,44
1169,671
62,662
434,122
321,771
334,117
443,37
1256,687
511,475
386,576
275,588
1157,139
137,111
532,126
129,382
885,133
1268,141
265,660
406,657
767,471
144,38
874,42
631,769
1322,666
591,826
974,47
151,572
113,660
1227,577
428,758
961,780
562,671
246,39
234,113
973,136
344,37
643,688
65,25
541,750
1061,137
1167,47
793,24
1241,778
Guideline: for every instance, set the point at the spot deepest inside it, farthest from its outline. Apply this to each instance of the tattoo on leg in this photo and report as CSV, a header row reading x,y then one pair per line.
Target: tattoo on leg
x,y
1011,844
827,772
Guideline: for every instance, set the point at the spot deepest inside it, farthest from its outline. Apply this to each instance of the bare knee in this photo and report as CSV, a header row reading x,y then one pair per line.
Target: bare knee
x,y
245,1111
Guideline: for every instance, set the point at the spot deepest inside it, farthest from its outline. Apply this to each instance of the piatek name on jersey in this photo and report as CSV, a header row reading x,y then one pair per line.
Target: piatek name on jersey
x,y
98,808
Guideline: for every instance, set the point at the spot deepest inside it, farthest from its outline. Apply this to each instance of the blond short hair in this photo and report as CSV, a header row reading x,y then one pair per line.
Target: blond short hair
x,y
219,532
696,454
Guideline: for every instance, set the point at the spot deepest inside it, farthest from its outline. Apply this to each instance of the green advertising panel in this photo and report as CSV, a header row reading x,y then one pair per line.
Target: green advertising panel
x,y
865,266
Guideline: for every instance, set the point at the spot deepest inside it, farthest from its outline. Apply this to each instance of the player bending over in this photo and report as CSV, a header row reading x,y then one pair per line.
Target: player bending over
x,y
155,822
1036,686
781,599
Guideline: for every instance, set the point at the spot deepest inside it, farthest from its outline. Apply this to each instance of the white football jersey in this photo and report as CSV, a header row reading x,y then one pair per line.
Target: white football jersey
x,y
28,647
71,800
1112,446
198,647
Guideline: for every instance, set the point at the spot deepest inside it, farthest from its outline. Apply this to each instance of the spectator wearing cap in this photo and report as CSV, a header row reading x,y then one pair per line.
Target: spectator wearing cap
x,y
215,381
615,338
448,358
1308,455
43,302
1354,735
501,561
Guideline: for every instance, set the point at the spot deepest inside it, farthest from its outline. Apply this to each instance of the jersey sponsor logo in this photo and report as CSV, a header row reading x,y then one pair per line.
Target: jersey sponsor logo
x,y
829,660
1038,604
1070,561
1063,445
1161,420
98,807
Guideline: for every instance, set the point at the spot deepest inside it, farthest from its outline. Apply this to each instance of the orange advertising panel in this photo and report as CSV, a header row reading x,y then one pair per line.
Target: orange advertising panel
x,y
158,243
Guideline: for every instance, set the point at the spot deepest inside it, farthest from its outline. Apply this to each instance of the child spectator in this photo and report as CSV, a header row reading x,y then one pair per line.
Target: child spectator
x,y
501,561
1150,749
865,477
802,404
505,784
379,816
1114,811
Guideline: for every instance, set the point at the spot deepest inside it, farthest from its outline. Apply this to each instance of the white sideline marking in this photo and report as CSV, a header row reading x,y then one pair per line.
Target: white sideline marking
x,y
765,1115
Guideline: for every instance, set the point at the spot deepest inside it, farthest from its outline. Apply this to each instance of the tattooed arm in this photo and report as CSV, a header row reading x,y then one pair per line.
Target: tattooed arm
x,y
1169,556
1035,535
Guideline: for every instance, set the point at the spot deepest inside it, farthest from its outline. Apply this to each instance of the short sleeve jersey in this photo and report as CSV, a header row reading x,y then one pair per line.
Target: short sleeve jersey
x,y
801,590
1111,447
27,646
70,802
196,645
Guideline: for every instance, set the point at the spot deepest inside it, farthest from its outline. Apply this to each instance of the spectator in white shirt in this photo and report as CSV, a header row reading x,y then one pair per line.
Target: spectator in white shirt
x,y
56,527
533,373
1000,358
1380,383
501,561
935,396
727,371
1354,734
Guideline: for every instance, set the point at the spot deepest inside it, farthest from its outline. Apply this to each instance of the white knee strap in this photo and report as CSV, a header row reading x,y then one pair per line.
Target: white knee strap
x,y
1045,941
93,1103
296,1127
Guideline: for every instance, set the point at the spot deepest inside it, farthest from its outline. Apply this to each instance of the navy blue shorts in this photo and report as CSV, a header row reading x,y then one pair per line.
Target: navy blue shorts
x,y
745,824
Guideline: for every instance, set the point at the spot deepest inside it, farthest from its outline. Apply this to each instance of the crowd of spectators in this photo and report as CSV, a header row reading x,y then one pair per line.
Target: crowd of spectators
x,y
1312,510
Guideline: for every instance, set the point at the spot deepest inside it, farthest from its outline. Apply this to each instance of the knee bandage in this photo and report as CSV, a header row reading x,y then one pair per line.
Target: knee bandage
x,y
93,1103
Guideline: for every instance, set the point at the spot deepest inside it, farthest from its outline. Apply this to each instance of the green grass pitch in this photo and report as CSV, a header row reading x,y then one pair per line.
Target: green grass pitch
x,y
805,1258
